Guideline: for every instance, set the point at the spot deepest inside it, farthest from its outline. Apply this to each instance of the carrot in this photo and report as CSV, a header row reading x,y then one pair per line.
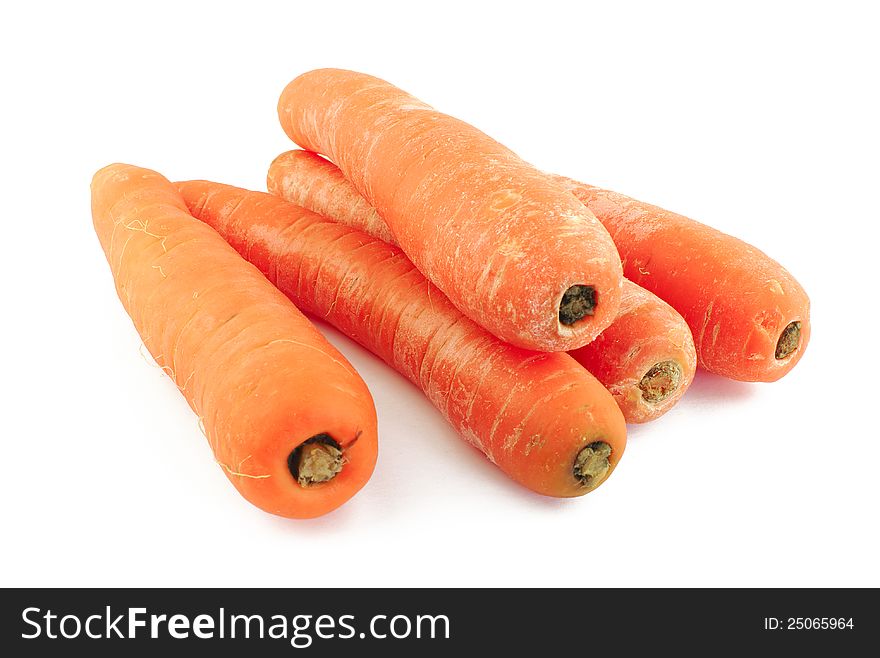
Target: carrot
x,y
541,418
750,318
463,208
289,420
308,180
645,357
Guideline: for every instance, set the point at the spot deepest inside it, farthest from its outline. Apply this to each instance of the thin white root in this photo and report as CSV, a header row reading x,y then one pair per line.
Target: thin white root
x,y
138,225
154,362
237,472
186,383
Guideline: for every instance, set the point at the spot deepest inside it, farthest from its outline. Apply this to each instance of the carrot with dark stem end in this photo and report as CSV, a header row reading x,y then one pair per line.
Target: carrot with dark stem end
x,y
645,357
289,420
750,318
540,417
464,209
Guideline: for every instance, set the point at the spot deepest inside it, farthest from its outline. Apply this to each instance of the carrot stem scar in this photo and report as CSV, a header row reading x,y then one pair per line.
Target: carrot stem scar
x,y
315,460
788,340
591,465
577,302
661,381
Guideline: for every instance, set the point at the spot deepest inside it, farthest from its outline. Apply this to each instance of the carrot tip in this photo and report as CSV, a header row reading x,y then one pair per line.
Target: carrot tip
x,y
789,340
577,302
660,381
315,460
591,466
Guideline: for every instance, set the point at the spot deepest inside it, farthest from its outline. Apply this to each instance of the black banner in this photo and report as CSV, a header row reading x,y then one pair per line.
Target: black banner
x,y
436,622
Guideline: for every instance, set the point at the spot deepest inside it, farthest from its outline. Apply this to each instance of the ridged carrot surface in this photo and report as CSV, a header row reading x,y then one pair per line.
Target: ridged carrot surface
x,y
308,180
749,317
542,418
289,420
506,243
645,358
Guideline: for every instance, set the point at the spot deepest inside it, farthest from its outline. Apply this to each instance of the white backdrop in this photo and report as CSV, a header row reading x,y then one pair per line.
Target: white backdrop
x,y
761,120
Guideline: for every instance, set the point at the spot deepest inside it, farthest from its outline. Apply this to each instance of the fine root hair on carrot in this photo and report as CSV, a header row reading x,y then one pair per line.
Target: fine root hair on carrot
x,y
591,465
661,381
789,340
316,460
577,302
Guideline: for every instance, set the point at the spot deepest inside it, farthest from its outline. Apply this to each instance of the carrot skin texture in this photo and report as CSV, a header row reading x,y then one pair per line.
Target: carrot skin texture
x,y
646,331
529,413
464,208
736,299
307,180
261,378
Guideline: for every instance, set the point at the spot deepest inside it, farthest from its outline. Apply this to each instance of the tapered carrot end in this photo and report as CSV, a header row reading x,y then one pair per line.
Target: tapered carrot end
x,y
592,465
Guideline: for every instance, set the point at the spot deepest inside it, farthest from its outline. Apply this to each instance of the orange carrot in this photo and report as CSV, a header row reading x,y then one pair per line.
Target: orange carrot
x,y
464,209
750,318
288,419
541,418
645,358
312,182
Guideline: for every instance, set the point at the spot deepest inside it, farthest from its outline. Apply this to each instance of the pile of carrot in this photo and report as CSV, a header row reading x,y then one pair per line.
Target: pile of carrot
x,y
538,314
